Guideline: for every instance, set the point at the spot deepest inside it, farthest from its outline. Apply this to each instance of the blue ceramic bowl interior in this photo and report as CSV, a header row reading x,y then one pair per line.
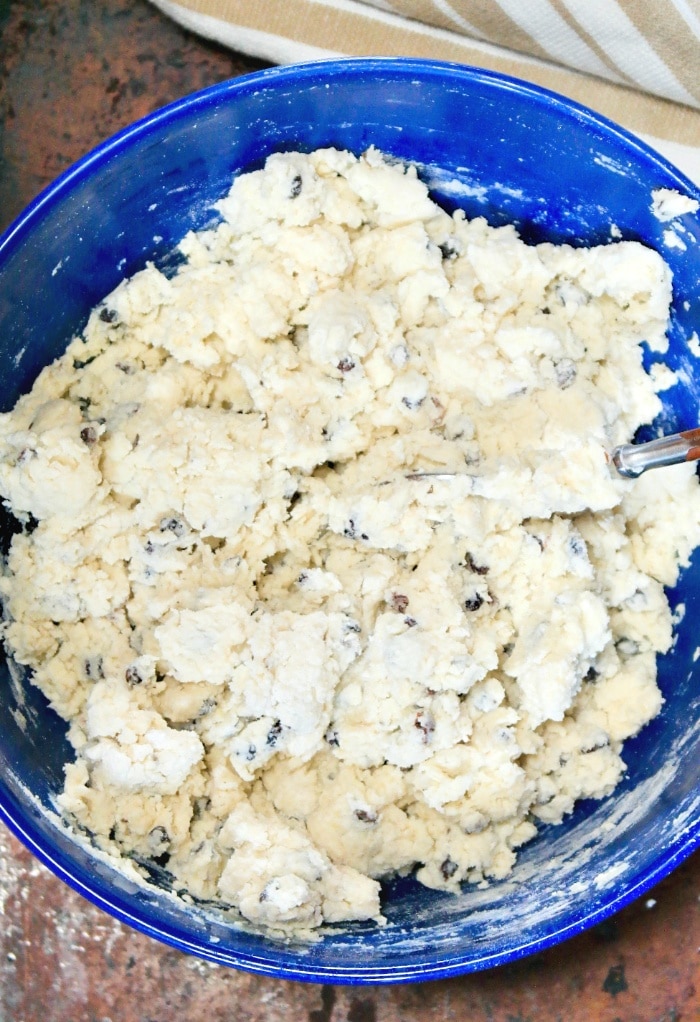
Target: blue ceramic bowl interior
x,y
496,147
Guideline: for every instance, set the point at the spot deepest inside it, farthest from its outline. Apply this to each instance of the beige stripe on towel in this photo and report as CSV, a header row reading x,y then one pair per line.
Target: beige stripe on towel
x,y
655,45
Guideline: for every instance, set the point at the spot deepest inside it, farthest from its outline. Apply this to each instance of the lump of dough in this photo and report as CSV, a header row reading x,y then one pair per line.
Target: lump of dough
x,y
48,470
133,749
276,875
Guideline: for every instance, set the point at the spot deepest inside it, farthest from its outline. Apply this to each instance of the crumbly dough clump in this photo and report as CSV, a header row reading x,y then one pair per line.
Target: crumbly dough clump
x,y
295,657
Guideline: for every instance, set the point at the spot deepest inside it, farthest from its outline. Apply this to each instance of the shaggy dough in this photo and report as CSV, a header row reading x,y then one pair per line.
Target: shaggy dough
x,y
290,667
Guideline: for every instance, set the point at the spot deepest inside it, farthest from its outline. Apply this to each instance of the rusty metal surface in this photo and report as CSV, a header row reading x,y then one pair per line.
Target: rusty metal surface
x,y
71,74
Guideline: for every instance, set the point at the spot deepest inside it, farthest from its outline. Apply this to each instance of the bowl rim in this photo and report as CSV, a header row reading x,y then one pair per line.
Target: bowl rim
x,y
14,815
212,94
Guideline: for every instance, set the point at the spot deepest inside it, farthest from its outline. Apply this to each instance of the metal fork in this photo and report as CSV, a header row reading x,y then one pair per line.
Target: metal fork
x,y
630,460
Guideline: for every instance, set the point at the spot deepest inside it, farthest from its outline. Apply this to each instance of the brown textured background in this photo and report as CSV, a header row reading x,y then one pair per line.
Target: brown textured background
x,y
71,74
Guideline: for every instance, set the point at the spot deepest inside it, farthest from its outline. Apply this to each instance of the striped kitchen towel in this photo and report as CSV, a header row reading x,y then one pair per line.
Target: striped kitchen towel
x,y
635,61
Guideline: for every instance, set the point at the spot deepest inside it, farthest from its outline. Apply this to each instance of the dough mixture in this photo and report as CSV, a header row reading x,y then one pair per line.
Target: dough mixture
x,y
295,658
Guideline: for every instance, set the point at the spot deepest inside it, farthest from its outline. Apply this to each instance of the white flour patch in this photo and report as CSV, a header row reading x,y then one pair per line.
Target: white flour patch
x,y
668,204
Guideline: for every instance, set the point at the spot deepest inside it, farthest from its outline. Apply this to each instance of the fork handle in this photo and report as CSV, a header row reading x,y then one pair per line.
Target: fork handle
x,y
632,459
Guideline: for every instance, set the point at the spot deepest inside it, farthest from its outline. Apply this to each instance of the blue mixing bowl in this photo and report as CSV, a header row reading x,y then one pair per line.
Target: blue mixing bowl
x,y
496,147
